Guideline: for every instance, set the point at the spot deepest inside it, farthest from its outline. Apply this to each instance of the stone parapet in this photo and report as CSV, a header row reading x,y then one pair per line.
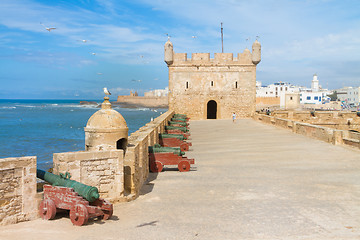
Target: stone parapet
x,y
101,169
322,133
136,160
18,190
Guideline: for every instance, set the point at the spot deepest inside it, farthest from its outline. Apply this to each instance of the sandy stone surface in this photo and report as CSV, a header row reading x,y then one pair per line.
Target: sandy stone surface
x,y
250,181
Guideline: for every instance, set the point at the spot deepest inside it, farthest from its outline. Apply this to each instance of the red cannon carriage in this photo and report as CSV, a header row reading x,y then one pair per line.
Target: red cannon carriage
x,y
81,210
160,156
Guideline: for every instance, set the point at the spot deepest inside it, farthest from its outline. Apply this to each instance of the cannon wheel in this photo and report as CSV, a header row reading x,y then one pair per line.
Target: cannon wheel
x,y
107,214
184,147
79,215
184,166
47,209
156,167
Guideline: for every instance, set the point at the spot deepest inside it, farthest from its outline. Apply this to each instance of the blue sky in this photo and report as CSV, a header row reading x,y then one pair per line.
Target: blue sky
x,y
298,38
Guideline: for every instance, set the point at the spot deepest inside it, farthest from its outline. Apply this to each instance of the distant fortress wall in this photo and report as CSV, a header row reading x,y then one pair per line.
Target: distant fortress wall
x,y
138,101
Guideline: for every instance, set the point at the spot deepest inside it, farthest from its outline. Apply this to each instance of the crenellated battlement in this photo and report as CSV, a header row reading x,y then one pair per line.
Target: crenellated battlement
x,y
244,58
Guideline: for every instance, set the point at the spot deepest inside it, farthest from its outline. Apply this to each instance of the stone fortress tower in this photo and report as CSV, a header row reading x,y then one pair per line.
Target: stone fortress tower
x,y
206,88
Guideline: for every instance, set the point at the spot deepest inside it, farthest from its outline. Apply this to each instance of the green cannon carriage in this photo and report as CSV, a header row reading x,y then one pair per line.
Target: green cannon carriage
x,y
184,124
183,129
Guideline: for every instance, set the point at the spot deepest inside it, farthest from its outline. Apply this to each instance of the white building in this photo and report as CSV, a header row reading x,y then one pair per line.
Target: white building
x,y
157,93
353,96
275,89
315,94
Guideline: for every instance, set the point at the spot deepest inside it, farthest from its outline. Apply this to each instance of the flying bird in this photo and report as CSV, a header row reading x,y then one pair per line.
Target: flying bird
x,y
194,37
92,53
106,91
99,73
48,28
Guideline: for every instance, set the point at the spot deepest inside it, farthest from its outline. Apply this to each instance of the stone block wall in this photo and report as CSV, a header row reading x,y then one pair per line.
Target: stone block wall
x,y
136,160
322,133
101,169
17,190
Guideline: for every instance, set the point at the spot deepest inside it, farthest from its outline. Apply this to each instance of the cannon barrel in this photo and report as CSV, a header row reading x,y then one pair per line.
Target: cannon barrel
x,y
179,119
179,123
158,149
183,129
88,192
180,115
178,136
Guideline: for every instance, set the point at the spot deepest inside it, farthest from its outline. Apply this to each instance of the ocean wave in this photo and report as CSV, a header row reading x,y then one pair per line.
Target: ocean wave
x,y
4,107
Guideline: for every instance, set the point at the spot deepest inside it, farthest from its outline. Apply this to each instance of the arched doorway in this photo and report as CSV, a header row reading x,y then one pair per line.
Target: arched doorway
x,y
211,109
121,144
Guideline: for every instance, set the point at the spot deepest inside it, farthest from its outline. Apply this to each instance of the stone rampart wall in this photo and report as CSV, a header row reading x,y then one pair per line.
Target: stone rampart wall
x,y
136,161
101,169
322,133
143,101
17,190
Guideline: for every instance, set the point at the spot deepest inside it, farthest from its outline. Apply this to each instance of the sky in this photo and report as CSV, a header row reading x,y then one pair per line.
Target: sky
x,y
124,42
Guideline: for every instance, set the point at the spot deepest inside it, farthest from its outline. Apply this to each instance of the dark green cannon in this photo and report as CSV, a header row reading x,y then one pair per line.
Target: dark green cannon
x,y
159,149
179,119
183,129
88,192
178,136
179,115
178,123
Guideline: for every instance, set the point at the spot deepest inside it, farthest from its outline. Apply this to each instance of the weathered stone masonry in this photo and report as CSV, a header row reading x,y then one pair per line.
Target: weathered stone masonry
x,y
205,88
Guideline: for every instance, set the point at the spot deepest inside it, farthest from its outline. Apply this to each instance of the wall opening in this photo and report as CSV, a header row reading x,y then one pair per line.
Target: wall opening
x,y
187,85
212,83
235,84
121,144
211,109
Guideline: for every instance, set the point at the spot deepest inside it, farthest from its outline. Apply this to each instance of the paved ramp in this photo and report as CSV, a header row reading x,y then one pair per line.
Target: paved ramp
x,y
250,181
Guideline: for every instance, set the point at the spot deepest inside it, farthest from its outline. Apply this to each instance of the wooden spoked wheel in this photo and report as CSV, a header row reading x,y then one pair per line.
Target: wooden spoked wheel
x,y
107,214
184,166
184,147
79,215
156,167
47,209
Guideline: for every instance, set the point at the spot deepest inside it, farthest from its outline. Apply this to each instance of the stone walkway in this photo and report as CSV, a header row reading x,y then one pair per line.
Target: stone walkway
x,y
250,181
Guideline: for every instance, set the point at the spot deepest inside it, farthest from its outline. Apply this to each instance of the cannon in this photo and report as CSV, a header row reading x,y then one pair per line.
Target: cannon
x,y
183,129
180,115
174,131
88,192
82,200
183,124
179,119
160,156
178,136
174,140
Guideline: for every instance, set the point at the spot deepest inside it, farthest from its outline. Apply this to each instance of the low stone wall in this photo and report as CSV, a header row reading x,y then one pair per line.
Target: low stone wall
x,y
101,169
136,161
17,190
322,133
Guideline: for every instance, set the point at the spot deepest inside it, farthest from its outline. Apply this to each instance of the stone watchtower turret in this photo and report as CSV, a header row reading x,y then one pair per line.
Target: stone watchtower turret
x,y
106,130
212,88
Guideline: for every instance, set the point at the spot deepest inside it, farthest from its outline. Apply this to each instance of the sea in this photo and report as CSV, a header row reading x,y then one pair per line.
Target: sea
x,y
43,127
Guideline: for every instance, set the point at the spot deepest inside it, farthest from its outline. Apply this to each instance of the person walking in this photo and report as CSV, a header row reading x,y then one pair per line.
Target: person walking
x,y
234,117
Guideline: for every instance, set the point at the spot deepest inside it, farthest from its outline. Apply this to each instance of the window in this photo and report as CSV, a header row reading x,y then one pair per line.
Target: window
x,y
212,83
276,88
266,92
281,89
235,84
290,98
316,98
286,89
319,98
187,85
308,98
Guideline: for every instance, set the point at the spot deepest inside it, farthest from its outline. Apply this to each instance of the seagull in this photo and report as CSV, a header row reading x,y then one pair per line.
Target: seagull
x,y
92,53
48,28
84,40
99,73
106,91
194,37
